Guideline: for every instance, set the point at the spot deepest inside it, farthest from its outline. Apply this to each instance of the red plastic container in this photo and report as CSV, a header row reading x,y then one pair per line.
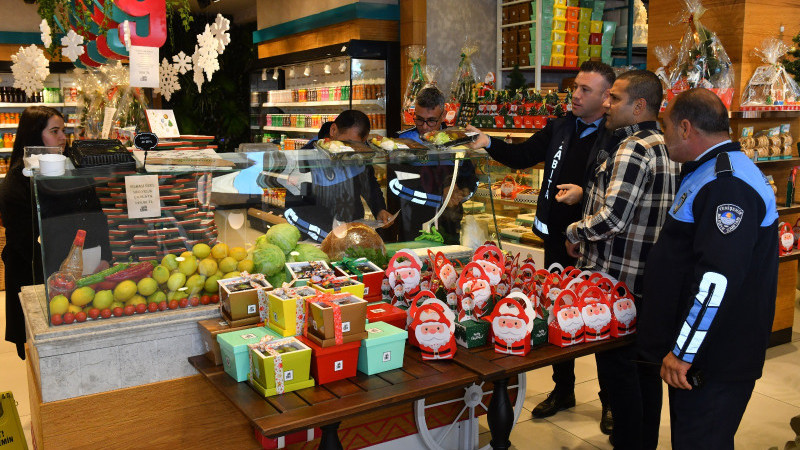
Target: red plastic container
x,y
596,39
384,312
334,363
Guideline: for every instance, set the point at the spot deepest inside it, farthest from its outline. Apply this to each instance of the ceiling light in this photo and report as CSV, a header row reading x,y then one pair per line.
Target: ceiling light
x,y
307,71
275,74
291,72
264,74
342,66
327,68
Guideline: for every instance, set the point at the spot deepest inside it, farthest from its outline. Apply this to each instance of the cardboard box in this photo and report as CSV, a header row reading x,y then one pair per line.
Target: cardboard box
x,y
324,343
595,38
558,48
296,367
524,35
524,12
233,347
209,329
472,333
595,51
241,322
340,285
505,14
585,14
364,271
329,364
522,51
284,312
513,14
240,304
385,312
572,26
301,272
571,61
573,13
383,349
557,60
353,312
510,50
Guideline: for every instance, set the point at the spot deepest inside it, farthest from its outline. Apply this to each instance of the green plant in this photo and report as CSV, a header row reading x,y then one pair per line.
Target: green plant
x,y
516,80
793,65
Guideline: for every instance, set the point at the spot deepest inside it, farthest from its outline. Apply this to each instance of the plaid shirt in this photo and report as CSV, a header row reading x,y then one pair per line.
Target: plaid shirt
x,y
627,203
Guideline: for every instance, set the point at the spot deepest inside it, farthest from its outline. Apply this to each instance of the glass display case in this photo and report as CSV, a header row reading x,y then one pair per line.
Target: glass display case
x,y
160,238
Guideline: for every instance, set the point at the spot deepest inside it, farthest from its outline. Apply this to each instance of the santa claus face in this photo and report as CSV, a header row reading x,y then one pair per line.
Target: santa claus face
x,y
448,276
570,320
452,298
625,311
432,334
501,289
408,278
596,316
509,328
385,285
480,290
467,304
493,272
552,294
506,188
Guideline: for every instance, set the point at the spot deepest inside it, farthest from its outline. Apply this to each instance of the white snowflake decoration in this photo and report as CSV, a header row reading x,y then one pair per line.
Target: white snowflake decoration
x,y
198,77
30,69
168,79
206,39
205,57
219,30
73,45
183,62
47,38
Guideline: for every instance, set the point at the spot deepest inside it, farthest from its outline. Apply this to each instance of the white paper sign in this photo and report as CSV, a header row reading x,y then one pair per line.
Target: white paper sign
x,y
162,123
141,192
144,66
108,121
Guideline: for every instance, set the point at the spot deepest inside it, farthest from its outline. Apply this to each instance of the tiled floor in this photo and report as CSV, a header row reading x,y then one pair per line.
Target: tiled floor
x,y
766,422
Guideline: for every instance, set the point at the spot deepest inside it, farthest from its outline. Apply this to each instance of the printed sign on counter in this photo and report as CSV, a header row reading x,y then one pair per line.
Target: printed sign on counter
x,y
141,191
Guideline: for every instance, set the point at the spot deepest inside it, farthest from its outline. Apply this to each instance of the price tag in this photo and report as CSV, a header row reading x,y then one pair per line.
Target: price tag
x,y
141,192
108,121
144,66
145,141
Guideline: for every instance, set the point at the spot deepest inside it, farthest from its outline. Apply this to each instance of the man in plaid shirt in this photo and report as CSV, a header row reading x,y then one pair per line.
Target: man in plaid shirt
x,y
627,203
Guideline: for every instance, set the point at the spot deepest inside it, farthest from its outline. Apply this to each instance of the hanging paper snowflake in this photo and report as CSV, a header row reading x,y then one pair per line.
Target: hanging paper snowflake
x,y
47,38
30,69
168,79
206,53
206,39
198,77
183,62
219,30
73,45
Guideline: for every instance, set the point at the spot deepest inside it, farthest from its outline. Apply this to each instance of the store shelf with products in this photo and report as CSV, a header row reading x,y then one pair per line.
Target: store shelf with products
x,y
376,102
380,131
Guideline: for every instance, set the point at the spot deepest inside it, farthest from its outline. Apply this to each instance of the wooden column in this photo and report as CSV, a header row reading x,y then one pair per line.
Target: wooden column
x,y
413,31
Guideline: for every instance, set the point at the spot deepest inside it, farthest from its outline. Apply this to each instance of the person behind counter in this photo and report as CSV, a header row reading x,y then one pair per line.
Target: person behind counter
x,y
337,189
431,180
38,125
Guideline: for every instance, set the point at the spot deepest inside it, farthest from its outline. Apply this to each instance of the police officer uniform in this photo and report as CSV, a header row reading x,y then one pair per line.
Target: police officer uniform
x,y
709,292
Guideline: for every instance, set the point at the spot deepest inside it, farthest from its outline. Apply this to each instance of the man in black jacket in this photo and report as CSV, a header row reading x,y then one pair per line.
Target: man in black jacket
x,y
568,146
711,278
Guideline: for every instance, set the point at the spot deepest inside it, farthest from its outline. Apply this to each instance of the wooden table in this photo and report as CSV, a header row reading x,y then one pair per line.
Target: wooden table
x,y
498,368
327,405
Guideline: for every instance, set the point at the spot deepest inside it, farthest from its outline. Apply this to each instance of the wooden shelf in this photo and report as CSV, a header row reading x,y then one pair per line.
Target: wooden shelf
x,y
794,209
553,69
25,105
527,22
328,103
766,114
790,257
790,161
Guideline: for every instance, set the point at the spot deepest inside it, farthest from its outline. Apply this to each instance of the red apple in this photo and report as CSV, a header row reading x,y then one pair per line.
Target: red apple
x,y
105,313
80,317
68,318
94,313
141,308
173,304
56,319
118,311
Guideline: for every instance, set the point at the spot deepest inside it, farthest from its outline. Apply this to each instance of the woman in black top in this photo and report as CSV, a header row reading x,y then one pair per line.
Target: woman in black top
x,y
22,255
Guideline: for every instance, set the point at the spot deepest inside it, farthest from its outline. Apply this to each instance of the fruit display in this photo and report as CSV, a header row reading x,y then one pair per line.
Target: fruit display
x,y
177,281
277,247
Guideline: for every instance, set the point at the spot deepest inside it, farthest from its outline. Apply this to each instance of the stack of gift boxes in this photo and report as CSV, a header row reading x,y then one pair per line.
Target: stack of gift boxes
x,y
573,31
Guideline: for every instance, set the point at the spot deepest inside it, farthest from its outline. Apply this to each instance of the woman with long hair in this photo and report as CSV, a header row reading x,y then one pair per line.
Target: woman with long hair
x,y
38,125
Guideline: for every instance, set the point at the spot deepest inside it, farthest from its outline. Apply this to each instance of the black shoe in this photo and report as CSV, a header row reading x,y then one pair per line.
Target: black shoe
x,y
554,403
606,420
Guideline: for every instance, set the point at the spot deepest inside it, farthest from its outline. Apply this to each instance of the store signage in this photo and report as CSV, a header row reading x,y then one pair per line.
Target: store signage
x,y
145,141
144,66
141,192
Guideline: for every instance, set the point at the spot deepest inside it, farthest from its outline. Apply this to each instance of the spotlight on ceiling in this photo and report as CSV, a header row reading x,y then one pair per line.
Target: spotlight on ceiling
x,y
275,74
291,72
307,71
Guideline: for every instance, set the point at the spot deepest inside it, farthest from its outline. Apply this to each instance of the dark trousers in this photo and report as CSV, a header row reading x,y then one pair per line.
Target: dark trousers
x,y
708,417
634,393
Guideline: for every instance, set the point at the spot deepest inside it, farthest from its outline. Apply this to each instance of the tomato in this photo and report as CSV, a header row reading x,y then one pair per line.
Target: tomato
x,y
105,313
94,313
162,305
173,304
152,307
215,298
184,302
80,317
141,308
194,301
56,319
117,311
205,300
68,318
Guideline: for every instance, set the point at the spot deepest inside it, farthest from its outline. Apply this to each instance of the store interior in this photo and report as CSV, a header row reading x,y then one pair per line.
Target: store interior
x,y
234,129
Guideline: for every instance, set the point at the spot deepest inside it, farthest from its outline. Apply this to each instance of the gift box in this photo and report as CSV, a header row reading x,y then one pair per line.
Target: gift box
x,y
557,48
570,61
287,309
279,366
596,314
209,329
383,348
329,364
364,271
559,23
571,50
303,272
560,11
340,285
384,312
596,39
596,26
540,329
512,322
558,36
557,60
583,41
623,312
472,333
233,348
571,38
340,318
567,327
585,14
573,13
239,297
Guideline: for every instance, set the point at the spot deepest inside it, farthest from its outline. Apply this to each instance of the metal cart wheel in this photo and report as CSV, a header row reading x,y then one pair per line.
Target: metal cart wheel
x,y
473,399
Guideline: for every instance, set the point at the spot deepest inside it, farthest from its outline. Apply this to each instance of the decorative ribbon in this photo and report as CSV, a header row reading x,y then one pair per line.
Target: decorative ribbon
x,y
278,369
416,69
337,314
352,265
433,235
261,292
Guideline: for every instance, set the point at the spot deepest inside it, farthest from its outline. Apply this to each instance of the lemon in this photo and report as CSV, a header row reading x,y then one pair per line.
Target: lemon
x,y
201,250
59,305
219,251
238,253
125,291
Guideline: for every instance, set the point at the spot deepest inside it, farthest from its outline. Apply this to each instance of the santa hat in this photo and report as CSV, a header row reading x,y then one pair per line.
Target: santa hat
x,y
490,253
411,260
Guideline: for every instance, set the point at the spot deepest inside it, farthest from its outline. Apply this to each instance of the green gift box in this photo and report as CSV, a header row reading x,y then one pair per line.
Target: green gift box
x,y
233,348
472,333
539,333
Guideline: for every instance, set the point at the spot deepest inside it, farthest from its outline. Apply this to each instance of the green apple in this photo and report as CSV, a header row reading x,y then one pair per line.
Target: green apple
x,y
176,281
195,283
156,297
103,299
161,274
211,286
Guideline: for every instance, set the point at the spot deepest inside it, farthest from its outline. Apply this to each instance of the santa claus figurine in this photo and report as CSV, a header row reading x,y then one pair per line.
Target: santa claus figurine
x,y
492,261
623,319
567,328
404,273
596,314
425,298
446,279
512,324
434,332
476,292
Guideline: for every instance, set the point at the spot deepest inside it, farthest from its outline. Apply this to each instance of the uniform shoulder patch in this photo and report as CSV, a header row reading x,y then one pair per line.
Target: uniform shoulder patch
x,y
729,216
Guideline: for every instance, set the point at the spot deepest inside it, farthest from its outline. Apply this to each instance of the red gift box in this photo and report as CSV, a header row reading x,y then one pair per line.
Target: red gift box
x,y
567,327
499,121
596,39
329,364
623,311
384,312
596,314
450,113
528,122
539,121
519,121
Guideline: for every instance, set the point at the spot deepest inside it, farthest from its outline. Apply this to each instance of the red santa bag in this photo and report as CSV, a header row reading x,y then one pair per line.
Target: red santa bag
x,y
512,323
566,327
550,290
623,311
596,314
434,332
424,298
